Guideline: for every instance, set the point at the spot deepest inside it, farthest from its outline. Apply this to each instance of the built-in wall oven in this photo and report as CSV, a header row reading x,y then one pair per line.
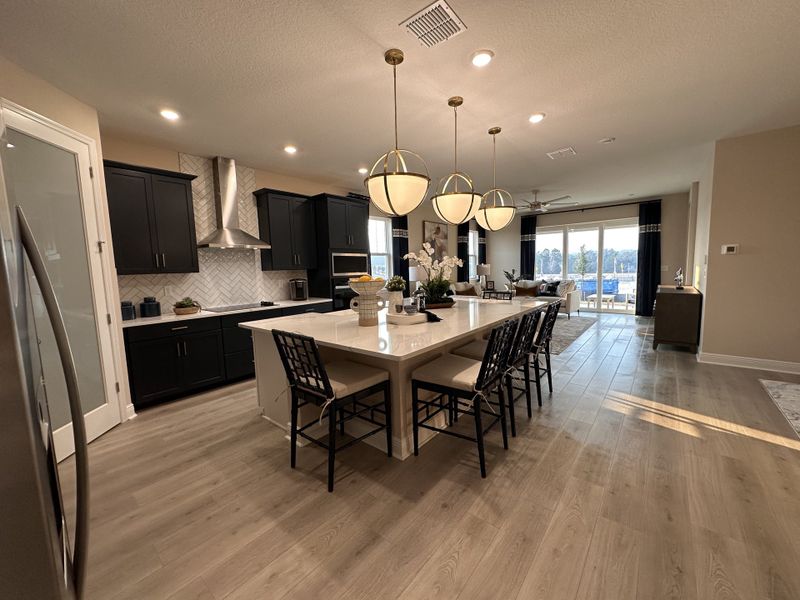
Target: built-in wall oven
x,y
349,264
342,293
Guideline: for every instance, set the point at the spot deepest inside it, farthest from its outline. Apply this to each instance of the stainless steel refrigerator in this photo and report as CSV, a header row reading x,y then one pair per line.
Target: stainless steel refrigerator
x,y
39,558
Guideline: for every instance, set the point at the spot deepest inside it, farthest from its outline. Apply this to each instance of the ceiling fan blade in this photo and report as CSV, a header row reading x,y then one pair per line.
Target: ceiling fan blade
x,y
561,200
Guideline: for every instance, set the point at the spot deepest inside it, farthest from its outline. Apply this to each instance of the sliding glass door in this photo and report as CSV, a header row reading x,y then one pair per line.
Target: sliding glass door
x,y
600,257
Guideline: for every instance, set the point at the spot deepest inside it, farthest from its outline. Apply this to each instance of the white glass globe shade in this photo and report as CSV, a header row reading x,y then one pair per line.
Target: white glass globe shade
x,y
406,191
495,218
456,207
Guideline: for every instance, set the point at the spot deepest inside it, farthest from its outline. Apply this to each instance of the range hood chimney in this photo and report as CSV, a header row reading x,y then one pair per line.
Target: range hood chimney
x,y
228,234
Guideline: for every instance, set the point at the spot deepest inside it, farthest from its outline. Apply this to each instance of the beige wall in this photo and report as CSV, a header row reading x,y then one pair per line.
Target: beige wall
x,y
751,296
703,221
135,152
503,252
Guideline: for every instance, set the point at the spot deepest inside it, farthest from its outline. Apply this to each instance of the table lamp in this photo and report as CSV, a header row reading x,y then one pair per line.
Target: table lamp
x,y
483,272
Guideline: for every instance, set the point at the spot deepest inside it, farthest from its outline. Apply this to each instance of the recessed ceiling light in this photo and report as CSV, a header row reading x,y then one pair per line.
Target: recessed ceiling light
x,y
607,140
536,118
363,170
290,149
481,58
170,115
9,145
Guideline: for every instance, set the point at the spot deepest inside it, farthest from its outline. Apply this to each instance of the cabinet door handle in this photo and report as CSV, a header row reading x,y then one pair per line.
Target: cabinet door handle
x,y
163,261
180,328
185,349
178,347
158,266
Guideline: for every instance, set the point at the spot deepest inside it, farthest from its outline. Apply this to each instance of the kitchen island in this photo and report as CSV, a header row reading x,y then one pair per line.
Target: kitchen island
x,y
399,349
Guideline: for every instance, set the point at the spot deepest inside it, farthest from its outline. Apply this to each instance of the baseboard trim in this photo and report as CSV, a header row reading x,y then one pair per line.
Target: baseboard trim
x,y
746,362
130,412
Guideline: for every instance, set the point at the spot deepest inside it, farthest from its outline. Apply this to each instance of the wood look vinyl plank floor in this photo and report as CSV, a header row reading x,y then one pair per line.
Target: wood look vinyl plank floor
x,y
644,475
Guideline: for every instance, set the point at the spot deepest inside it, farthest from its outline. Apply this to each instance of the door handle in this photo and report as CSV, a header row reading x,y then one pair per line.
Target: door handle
x,y
178,348
73,395
179,328
158,266
163,261
185,350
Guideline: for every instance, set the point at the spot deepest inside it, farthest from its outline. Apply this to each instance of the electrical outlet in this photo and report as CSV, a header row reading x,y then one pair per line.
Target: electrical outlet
x,y
730,248
167,291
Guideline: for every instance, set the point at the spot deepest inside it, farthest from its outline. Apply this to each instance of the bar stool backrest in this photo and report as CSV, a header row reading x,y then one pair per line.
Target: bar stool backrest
x,y
494,359
523,340
304,368
546,328
497,295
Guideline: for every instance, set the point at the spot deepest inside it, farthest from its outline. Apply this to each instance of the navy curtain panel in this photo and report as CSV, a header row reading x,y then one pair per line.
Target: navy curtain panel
x,y
400,248
463,252
527,261
648,273
481,245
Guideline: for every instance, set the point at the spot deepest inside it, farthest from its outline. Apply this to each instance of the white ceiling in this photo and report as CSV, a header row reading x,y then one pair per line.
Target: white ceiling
x,y
664,78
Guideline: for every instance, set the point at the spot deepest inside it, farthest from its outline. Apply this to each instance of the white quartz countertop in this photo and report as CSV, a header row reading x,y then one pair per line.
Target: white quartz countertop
x,y
399,342
169,316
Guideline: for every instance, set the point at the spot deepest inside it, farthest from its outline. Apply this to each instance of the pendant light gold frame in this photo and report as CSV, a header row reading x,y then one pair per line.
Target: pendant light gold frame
x,y
410,184
447,189
497,208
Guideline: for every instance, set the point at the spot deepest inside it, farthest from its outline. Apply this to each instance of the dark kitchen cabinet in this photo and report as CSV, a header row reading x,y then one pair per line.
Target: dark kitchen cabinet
x,y
203,359
345,220
286,222
152,219
154,368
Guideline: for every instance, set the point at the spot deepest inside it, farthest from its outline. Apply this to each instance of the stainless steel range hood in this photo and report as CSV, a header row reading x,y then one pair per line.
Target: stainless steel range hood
x,y
228,234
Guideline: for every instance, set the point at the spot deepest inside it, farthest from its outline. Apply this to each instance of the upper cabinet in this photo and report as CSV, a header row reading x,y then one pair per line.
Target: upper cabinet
x,y
343,222
286,222
152,219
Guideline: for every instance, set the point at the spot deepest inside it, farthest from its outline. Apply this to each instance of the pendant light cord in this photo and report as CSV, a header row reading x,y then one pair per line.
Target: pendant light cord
x,y
455,146
494,160
394,80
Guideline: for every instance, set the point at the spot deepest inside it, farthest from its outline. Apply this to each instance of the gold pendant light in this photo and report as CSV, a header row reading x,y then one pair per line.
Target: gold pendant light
x,y
497,205
450,203
398,181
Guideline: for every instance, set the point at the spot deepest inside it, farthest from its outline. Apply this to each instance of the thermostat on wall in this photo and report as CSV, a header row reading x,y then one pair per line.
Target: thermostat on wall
x,y
730,248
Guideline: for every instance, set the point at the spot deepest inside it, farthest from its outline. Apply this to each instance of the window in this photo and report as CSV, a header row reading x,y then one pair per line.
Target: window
x,y
549,253
473,254
380,246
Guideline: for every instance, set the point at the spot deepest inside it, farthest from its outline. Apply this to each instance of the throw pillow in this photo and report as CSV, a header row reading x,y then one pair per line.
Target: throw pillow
x,y
552,288
527,291
470,291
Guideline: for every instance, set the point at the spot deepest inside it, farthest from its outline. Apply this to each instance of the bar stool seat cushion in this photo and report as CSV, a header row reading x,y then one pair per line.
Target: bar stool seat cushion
x,y
348,377
450,371
474,350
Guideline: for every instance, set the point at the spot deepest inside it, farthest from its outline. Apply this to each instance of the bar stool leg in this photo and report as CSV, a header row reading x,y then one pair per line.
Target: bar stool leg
x,y
387,406
450,410
476,407
293,432
331,446
512,417
547,361
538,379
414,409
341,419
527,370
502,403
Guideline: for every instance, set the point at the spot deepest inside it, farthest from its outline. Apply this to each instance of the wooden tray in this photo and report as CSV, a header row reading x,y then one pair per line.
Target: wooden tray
x,y
397,319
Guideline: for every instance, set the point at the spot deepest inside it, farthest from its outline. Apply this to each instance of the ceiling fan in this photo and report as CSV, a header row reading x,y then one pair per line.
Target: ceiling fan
x,y
543,207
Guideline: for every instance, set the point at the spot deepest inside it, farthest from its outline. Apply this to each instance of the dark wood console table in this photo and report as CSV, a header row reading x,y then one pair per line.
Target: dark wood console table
x,y
677,315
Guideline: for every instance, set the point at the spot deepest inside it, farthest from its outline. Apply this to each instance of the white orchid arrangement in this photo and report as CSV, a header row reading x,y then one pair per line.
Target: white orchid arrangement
x,y
433,267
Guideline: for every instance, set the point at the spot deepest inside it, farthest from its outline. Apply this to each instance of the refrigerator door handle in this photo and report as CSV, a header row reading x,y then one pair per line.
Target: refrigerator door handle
x,y
76,411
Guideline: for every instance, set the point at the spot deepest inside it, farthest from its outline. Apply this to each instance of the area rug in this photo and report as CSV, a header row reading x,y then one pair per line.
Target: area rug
x,y
566,331
786,396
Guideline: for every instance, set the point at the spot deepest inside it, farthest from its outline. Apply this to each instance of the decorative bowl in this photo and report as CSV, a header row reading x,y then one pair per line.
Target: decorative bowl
x,y
189,310
366,288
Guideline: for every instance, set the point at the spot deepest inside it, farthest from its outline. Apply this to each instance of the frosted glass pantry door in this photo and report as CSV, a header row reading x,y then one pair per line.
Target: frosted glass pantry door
x,y
45,173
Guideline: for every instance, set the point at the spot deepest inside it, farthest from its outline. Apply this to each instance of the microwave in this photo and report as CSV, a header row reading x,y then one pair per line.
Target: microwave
x,y
349,264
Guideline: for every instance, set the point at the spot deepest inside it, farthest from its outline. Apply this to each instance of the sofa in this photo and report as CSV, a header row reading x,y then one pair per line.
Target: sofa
x,y
566,290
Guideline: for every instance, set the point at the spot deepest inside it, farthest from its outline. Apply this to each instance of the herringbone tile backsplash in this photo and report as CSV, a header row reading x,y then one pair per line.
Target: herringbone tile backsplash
x,y
226,276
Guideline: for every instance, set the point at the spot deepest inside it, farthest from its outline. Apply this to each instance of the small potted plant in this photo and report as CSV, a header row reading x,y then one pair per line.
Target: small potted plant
x,y
187,306
512,279
395,286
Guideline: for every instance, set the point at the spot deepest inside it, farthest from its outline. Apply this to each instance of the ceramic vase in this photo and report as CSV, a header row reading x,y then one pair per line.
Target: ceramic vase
x,y
394,299
367,303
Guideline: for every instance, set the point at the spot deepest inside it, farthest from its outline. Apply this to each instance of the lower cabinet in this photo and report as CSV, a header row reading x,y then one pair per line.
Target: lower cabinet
x,y
175,359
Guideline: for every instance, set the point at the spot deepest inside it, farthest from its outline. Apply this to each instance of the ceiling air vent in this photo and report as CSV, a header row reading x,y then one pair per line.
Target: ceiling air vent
x,y
562,153
434,24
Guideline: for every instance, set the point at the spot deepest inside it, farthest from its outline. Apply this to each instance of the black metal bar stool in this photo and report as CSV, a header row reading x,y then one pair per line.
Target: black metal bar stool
x,y
517,360
541,349
459,378
338,387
